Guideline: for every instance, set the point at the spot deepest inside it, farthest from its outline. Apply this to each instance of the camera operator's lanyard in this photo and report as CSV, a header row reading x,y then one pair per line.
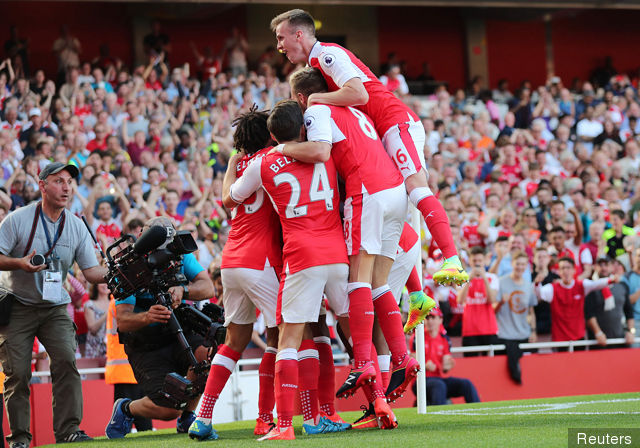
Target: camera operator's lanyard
x,y
52,282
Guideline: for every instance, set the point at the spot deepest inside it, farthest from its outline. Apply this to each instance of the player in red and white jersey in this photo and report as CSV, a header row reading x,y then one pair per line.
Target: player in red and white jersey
x,y
567,300
351,83
314,254
374,212
251,261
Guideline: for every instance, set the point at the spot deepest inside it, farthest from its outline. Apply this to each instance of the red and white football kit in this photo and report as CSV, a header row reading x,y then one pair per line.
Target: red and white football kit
x,y
402,133
252,256
479,319
567,306
401,130
376,202
314,254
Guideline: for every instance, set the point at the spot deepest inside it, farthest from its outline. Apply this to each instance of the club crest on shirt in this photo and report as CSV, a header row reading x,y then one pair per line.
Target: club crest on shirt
x,y
328,60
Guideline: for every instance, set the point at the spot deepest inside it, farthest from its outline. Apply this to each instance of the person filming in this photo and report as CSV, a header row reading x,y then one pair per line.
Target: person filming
x,y
153,349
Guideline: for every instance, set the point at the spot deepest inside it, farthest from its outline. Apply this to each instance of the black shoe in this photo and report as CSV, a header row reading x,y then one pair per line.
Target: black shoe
x,y
78,436
19,445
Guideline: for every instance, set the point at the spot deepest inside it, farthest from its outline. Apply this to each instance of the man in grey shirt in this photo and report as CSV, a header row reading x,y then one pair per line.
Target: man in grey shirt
x,y
38,303
514,313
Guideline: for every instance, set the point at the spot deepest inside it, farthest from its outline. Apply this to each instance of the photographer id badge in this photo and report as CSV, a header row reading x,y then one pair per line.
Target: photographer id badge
x,y
52,282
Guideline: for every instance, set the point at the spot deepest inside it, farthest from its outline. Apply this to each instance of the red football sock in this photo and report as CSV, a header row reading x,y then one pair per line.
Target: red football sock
x,y
266,373
286,385
361,321
438,224
221,367
390,322
413,282
308,371
327,377
374,390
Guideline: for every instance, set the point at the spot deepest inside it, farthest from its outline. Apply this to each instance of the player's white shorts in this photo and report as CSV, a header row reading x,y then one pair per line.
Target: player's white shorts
x,y
401,269
248,289
374,222
404,143
301,293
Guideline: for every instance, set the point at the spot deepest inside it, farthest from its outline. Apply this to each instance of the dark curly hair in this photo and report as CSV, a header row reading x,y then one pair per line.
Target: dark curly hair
x,y
251,134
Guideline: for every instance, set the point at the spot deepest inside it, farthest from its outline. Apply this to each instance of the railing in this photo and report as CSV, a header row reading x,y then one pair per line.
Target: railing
x,y
343,357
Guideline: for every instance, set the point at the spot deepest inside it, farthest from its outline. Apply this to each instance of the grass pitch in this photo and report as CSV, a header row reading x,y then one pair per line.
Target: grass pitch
x,y
522,423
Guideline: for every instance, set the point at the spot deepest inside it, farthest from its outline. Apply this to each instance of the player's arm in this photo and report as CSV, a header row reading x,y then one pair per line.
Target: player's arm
x,y
229,178
317,121
353,93
337,64
307,152
234,190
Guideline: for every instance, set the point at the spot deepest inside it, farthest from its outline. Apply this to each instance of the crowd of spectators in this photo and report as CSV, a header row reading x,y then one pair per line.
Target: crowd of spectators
x,y
538,175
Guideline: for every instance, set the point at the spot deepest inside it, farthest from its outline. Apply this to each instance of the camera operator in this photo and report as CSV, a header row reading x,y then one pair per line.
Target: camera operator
x,y
154,351
33,303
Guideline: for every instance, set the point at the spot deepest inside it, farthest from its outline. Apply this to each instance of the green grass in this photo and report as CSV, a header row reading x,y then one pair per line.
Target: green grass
x,y
522,423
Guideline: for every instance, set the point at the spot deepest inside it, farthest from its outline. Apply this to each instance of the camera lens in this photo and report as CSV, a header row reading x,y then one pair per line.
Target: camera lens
x,y
38,260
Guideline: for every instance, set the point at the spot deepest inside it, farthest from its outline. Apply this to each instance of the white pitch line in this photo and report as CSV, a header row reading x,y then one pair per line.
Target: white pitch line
x,y
538,408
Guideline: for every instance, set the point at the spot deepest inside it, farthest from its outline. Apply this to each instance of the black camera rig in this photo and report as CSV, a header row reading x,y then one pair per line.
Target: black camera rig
x,y
152,264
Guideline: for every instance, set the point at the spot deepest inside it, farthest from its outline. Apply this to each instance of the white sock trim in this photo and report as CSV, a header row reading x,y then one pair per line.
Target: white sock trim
x,y
224,361
322,340
271,350
418,194
356,285
380,291
287,353
308,354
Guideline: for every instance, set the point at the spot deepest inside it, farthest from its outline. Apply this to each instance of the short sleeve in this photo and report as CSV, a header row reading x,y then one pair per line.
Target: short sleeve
x,y
131,300
191,266
8,235
586,257
336,63
317,121
248,184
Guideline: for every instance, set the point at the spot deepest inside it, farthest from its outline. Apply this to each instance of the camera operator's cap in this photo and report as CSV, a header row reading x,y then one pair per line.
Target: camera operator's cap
x,y
436,312
56,167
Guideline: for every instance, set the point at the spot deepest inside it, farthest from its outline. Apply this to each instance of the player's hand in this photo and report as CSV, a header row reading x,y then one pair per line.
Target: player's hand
x,y
158,313
430,366
275,150
233,161
176,296
25,263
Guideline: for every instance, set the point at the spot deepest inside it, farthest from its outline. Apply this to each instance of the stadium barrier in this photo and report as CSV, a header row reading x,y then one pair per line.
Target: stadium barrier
x,y
544,375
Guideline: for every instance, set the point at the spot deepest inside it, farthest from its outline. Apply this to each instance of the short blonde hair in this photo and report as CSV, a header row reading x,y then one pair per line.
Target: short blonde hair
x,y
296,17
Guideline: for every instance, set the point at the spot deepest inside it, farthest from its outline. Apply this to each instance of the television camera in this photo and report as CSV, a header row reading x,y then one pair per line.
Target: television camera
x,y
152,264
